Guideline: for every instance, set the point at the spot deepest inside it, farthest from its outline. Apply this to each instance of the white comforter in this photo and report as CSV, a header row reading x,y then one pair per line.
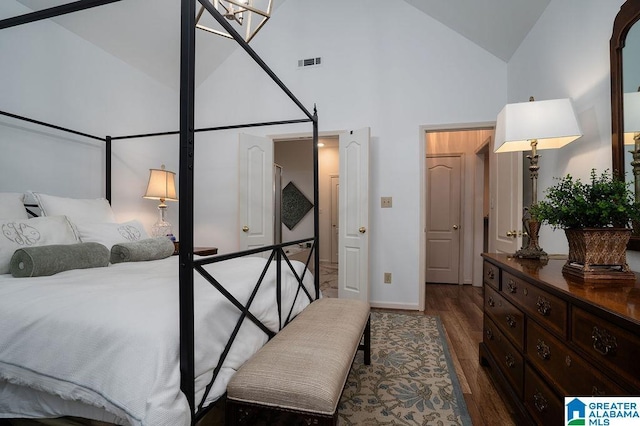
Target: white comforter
x,y
109,337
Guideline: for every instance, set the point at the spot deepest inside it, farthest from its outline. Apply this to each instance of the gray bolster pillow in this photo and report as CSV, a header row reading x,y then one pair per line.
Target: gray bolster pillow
x,y
147,249
47,260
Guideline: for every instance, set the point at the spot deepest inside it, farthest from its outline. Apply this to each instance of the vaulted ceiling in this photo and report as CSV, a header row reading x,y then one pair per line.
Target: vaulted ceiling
x,y
498,26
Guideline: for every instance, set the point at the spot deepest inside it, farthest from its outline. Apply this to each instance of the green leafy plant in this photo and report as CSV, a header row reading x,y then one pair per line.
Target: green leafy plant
x,y
604,202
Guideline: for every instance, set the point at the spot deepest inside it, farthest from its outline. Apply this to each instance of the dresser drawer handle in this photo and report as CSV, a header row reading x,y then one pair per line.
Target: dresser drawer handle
x,y
491,302
603,341
544,351
510,361
540,402
511,286
544,306
489,334
491,274
511,321
597,392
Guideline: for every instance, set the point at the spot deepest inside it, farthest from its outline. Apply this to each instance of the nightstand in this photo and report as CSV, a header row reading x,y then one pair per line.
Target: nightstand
x,y
200,251
205,251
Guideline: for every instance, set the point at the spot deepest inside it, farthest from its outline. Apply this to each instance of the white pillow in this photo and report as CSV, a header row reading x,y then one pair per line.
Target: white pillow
x,y
39,231
93,210
109,234
12,206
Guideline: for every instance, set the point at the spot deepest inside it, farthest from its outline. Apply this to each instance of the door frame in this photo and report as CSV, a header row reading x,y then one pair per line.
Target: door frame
x,y
422,149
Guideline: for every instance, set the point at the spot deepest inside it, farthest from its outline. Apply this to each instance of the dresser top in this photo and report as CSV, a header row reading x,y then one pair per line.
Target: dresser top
x,y
620,298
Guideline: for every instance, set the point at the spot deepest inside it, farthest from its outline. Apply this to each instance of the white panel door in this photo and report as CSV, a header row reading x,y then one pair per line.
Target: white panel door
x,y
505,217
256,191
444,194
335,223
353,251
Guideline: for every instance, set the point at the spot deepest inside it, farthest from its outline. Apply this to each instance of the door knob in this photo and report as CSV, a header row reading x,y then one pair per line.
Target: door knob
x,y
511,233
455,227
362,230
245,228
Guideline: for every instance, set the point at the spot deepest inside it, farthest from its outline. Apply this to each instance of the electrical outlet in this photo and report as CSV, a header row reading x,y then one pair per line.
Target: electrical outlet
x,y
387,277
385,202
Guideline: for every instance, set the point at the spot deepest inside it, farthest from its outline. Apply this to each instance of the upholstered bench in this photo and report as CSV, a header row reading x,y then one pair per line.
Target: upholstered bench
x,y
304,368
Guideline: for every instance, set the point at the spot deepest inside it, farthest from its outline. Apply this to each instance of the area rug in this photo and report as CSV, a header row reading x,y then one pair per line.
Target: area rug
x,y
411,379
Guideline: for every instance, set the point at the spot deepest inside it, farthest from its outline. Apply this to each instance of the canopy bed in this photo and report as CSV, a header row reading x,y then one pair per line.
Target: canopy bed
x,y
217,294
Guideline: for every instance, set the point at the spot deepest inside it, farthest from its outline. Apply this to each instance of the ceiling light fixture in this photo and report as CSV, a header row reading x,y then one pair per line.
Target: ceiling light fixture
x,y
247,16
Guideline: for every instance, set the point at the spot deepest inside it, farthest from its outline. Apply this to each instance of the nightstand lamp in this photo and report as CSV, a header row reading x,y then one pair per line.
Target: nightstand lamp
x,y
161,186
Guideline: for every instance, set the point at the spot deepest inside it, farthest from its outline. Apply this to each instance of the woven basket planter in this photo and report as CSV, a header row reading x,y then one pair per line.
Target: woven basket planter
x,y
598,254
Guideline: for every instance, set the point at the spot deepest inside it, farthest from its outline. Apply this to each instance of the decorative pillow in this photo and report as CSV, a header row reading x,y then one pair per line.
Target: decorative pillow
x,y
149,249
12,206
49,260
109,234
78,210
39,231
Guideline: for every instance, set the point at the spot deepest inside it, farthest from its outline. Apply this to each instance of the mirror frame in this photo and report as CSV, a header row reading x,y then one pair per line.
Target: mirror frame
x,y
629,14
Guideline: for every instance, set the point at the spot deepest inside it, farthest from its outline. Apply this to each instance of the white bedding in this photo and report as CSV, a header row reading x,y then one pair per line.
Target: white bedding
x,y
109,337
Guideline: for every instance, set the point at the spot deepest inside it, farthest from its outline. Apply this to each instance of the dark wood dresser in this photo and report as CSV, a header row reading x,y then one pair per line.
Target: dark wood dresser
x,y
547,336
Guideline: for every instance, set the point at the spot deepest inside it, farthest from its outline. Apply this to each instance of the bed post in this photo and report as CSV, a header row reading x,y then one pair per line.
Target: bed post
x,y
187,73
107,183
316,210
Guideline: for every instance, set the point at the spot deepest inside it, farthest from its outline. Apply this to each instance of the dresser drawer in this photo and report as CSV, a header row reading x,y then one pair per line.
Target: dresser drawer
x,y
542,403
509,360
506,316
608,344
491,275
539,304
572,375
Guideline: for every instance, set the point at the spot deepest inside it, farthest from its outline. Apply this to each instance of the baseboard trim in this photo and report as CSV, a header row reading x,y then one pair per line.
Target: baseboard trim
x,y
399,306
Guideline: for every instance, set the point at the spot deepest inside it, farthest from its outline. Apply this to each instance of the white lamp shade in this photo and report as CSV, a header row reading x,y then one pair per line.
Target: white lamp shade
x,y
552,123
162,185
631,116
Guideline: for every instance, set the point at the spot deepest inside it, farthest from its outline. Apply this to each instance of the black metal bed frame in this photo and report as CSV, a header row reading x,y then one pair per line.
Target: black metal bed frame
x,y
186,132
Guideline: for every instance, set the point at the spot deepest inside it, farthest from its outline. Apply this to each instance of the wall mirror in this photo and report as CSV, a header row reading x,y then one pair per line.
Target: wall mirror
x,y
625,94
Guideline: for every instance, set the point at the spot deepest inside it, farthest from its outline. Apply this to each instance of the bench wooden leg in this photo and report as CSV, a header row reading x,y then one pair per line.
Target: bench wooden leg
x,y
366,346
246,414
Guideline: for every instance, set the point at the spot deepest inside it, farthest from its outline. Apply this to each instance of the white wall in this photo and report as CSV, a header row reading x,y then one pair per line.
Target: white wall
x,y
392,69
566,54
50,74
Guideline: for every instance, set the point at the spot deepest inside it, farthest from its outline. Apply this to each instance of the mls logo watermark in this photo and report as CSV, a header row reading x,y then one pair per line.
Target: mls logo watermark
x,y
602,411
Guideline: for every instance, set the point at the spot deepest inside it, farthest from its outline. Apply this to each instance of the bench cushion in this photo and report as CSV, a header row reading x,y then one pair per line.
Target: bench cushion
x,y
305,366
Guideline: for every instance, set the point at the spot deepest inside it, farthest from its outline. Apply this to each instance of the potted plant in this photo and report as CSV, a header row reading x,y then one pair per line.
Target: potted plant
x,y
596,218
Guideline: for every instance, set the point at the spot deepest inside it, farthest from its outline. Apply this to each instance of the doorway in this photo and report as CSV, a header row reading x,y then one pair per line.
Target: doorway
x,y
298,168
467,142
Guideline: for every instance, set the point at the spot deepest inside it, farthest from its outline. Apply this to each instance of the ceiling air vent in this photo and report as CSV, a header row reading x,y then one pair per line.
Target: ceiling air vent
x,y
310,62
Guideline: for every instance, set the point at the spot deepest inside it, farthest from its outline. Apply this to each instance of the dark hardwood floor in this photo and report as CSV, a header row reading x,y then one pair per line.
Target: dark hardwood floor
x,y
460,309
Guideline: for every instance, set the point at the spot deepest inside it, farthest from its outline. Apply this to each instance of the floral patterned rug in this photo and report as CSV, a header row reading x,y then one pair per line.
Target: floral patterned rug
x,y
411,379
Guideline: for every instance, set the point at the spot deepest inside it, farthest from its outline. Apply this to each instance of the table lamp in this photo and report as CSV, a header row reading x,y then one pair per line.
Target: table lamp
x,y
161,186
535,125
